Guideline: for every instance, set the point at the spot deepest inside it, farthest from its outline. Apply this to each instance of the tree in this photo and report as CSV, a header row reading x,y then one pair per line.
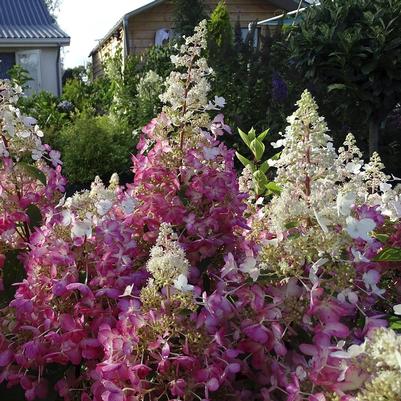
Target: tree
x,y
53,5
353,49
220,34
187,14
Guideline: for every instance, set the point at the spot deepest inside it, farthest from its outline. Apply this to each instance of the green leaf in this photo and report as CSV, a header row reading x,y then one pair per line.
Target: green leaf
x,y
35,217
368,67
260,178
252,134
257,148
263,135
383,238
395,323
260,181
244,137
274,188
276,156
291,224
389,255
181,194
333,87
34,172
243,159
13,272
264,167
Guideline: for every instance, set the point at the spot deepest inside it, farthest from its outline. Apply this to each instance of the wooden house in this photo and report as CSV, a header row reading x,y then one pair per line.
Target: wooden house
x,y
153,23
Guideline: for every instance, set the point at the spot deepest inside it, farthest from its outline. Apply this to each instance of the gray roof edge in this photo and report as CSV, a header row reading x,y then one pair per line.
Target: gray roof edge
x,y
53,42
65,35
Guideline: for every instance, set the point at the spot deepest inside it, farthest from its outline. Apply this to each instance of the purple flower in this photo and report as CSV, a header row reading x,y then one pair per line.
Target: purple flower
x,y
279,88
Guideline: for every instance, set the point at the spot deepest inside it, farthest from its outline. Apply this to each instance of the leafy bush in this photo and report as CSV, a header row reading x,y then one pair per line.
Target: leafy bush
x,y
259,85
52,115
93,96
127,82
94,146
351,50
149,88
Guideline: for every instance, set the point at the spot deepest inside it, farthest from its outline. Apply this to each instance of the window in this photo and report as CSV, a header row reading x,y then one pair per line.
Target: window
x,y
7,60
162,36
245,32
30,60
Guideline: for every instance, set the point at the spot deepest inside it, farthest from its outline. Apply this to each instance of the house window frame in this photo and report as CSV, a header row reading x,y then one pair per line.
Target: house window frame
x,y
257,35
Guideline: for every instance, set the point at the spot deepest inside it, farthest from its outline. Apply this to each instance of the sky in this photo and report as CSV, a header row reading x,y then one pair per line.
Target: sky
x,y
87,21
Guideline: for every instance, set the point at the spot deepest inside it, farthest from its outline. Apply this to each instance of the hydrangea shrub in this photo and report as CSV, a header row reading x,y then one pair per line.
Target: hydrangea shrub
x,y
188,284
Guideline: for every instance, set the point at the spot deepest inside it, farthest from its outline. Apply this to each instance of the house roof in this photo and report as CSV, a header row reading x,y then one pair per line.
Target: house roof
x,y
29,21
287,5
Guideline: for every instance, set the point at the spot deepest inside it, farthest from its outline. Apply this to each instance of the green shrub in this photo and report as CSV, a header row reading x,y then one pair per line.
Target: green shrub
x,y
50,114
93,96
351,51
149,87
135,84
95,146
259,85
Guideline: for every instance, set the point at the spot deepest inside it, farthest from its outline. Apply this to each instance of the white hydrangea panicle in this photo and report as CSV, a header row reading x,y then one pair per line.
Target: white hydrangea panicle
x,y
306,170
374,175
383,349
381,359
21,135
186,100
114,181
391,202
84,209
168,263
350,166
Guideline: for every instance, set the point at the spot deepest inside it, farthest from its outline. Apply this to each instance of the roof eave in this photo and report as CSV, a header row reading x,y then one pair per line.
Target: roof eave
x,y
54,42
107,37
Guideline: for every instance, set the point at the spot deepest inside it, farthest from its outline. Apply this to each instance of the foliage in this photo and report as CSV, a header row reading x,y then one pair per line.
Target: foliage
x,y
19,75
94,96
149,89
53,5
258,84
187,14
256,169
353,50
48,110
126,83
80,72
220,35
88,141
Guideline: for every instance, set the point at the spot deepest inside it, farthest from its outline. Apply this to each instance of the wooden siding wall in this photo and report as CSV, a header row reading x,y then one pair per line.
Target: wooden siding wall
x,y
108,49
142,27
